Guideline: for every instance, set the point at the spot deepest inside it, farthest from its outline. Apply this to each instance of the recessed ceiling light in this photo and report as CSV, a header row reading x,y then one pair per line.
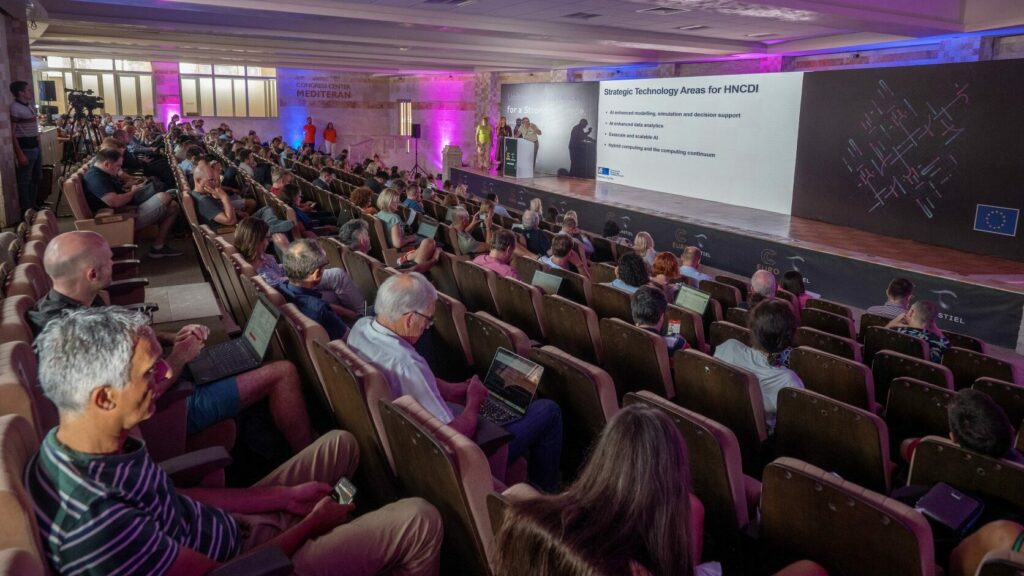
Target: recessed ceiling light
x,y
455,3
691,27
582,15
403,48
663,10
762,35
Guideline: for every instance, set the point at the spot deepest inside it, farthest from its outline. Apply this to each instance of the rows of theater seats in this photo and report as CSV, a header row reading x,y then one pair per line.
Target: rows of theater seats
x,y
595,361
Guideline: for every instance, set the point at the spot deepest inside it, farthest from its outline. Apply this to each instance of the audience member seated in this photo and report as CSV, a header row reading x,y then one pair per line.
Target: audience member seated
x,y
772,328
569,227
628,512
450,202
280,177
897,299
997,535
978,424
308,217
498,208
502,250
763,286
464,225
104,189
405,310
793,282
643,244
247,164
215,205
691,264
304,264
336,287
394,227
325,179
920,321
665,273
535,240
413,199
631,273
362,197
649,305
79,264
375,180
356,235
104,507
537,205
564,256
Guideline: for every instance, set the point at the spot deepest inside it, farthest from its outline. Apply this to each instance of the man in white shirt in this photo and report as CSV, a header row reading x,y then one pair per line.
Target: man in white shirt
x,y
405,310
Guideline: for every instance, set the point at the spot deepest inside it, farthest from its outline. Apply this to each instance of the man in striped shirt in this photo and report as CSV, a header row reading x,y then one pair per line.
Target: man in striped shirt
x,y
104,507
897,299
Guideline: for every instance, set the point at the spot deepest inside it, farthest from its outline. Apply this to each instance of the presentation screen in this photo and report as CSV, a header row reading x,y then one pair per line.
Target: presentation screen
x,y
730,139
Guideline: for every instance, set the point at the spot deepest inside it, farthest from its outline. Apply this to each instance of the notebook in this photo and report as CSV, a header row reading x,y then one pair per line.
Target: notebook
x,y
692,299
549,283
240,354
512,382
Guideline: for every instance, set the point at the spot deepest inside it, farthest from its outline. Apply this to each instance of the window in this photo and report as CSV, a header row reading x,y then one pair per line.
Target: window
x,y
126,86
228,90
405,118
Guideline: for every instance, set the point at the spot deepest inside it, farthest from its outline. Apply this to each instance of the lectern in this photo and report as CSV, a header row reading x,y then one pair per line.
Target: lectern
x,y
518,160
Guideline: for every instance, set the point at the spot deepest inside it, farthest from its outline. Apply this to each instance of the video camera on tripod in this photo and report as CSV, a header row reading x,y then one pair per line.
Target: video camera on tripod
x,y
83,102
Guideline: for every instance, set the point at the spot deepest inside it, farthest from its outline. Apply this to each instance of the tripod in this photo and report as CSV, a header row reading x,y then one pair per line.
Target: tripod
x,y
81,145
416,168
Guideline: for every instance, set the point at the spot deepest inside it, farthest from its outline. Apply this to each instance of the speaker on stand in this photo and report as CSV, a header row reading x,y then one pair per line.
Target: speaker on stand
x,y
416,132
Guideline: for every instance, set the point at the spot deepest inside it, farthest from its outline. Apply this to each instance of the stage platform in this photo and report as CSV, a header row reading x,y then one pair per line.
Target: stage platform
x,y
979,295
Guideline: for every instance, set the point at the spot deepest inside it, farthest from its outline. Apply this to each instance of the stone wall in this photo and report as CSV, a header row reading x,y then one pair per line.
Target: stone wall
x,y
15,64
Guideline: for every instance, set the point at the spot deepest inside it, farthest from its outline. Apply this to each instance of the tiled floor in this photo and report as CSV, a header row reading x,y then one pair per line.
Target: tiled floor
x,y
829,238
182,302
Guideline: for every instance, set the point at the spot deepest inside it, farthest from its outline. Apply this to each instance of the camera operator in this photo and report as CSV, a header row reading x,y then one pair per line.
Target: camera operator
x,y
26,144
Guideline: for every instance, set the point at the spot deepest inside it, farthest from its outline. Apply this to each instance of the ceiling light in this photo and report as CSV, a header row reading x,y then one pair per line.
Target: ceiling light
x,y
691,27
403,48
455,3
762,35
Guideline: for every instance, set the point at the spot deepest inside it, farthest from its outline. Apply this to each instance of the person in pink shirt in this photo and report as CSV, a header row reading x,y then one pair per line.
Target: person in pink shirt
x,y
503,247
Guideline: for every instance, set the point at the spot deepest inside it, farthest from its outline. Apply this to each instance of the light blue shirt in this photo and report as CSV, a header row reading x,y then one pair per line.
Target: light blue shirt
x,y
691,272
407,373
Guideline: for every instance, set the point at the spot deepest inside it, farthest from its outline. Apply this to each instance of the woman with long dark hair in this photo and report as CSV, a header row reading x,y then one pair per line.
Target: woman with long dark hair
x,y
627,513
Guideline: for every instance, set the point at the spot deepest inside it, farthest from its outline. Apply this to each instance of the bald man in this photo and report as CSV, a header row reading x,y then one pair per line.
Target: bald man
x,y
79,264
763,286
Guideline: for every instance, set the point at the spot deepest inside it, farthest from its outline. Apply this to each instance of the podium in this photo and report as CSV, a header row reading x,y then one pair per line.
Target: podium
x,y
518,160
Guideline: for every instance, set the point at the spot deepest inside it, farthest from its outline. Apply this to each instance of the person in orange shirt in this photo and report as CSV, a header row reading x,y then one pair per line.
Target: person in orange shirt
x,y
309,134
330,139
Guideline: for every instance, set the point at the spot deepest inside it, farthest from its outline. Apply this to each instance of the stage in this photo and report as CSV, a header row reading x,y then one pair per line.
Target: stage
x,y
979,295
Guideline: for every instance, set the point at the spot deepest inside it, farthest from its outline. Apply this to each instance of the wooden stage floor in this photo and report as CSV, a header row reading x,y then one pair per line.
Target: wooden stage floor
x,y
811,234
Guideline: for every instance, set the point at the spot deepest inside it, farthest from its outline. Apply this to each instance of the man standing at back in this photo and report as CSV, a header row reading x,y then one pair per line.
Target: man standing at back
x,y
28,157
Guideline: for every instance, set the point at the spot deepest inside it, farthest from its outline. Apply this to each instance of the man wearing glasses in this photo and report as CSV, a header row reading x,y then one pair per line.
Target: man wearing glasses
x,y
405,310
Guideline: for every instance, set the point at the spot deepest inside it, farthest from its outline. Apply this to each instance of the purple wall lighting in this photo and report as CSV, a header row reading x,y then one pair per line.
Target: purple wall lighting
x,y
167,88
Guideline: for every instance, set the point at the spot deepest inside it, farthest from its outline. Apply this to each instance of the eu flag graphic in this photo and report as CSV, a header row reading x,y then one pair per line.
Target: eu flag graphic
x,y
996,220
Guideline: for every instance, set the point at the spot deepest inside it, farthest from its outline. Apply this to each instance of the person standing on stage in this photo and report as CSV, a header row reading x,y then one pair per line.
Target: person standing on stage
x,y
501,132
579,139
483,144
27,154
330,139
309,134
530,132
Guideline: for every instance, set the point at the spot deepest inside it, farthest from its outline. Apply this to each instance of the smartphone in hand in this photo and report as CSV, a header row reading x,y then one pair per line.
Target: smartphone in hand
x,y
344,491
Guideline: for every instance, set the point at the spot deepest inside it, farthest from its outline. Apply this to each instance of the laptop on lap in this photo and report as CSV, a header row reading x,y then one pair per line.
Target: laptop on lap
x,y
512,382
240,354
692,299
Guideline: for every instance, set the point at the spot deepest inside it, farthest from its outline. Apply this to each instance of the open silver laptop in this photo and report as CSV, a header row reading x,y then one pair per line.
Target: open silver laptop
x,y
512,382
549,283
692,299
240,354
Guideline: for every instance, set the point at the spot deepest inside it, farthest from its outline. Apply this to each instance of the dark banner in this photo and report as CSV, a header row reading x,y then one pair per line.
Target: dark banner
x,y
566,116
988,313
930,153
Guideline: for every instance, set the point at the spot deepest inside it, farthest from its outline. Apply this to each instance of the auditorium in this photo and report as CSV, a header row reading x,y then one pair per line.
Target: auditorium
x,y
512,288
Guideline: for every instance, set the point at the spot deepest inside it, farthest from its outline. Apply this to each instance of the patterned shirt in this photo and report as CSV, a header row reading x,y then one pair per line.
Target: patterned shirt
x,y
937,345
117,514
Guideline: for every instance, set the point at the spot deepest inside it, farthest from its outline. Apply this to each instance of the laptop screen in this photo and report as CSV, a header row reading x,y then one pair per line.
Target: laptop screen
x,y
427,229
692,299
260,327
549,283
513,380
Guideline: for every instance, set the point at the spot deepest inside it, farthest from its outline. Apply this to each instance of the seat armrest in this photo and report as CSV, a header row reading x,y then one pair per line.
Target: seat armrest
x,y
125,269
190,468
263,562
130,291
124,251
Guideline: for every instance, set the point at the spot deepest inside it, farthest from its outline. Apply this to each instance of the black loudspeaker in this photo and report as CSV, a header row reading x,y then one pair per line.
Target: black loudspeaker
x,y
47,91
416,131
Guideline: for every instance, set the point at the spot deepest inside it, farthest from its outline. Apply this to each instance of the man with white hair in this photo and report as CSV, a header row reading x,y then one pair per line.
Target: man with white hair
x,y
405,310
763,286
534,238
104,507
79,265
